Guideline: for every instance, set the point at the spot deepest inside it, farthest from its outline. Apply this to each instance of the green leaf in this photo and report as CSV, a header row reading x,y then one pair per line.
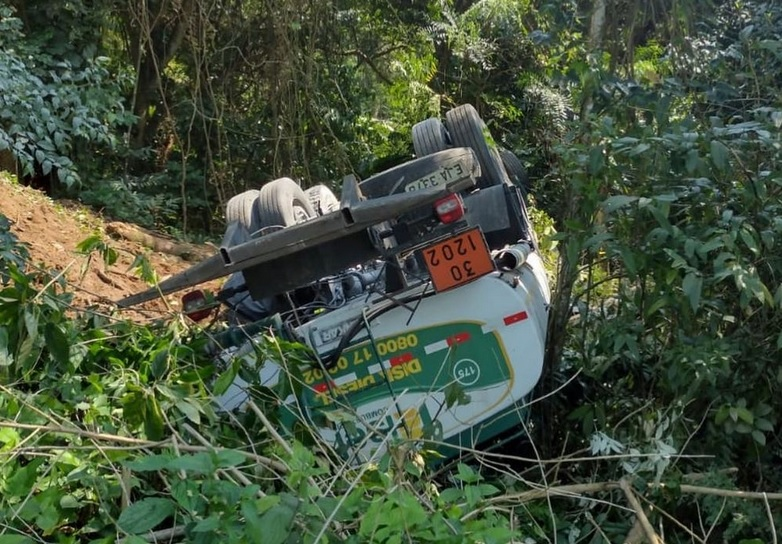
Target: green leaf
x,y
69,502
190,409
265,503
21,482
722,415
692,162
750,241
763,424
327,505
615,202
467,474
145,515
256,531
596,160
276,523
759,437
153,419
9,437
57,343
144,270
455,395
640,149
160,363
230,458
224,381
16,539
745,415
719,155
89,244
451,495
692,287
187,494
199,463
488,490
209,524
678,260
31,323
6,359
150,463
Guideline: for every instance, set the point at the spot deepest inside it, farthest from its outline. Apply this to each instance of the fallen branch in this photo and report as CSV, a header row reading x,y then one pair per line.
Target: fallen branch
x,y
232,470
729,493
161,535
770,520
189,252
651,535
82,433
134,442
577,491
636,534
107,280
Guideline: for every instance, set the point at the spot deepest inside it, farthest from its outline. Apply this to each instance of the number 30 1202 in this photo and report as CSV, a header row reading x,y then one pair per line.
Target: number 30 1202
x,y
458,260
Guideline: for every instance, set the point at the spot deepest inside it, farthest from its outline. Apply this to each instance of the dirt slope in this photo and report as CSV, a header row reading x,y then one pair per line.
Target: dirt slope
x,y
53,229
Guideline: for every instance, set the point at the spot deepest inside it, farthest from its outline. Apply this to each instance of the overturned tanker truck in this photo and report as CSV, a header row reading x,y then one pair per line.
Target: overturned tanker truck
x,y
420,293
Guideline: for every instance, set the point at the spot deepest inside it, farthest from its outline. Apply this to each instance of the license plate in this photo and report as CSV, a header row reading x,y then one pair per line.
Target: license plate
x,y
445,174
458,260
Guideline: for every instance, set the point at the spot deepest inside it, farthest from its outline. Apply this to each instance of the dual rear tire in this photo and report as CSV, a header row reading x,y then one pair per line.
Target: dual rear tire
x,y
464,128
280,203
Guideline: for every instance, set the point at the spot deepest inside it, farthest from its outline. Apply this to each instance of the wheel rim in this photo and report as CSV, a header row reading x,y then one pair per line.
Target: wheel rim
x,y
300,214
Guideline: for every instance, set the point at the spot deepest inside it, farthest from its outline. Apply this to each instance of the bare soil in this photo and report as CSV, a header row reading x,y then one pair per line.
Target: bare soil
x,y
52,230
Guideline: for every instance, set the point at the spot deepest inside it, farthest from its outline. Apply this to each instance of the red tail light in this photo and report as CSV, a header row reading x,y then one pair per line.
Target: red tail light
x,y
194,305
450,208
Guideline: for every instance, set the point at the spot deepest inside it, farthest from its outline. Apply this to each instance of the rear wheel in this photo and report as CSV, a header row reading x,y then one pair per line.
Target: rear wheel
x,y
515,169
322,199
429,136
282,203
395,180
467,129
242,208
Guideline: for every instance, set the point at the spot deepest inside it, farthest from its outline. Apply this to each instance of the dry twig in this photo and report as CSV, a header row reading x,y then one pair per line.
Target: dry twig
x,y
651,535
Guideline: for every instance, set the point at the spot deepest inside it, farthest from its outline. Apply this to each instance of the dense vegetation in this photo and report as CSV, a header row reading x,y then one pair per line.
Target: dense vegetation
x,y
651,129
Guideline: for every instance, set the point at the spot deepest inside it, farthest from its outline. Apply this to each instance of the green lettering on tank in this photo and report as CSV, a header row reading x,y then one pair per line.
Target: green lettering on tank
x,y
419,361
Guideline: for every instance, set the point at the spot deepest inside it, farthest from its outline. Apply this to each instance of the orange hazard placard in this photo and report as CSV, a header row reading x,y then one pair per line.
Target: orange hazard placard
x,y
458,260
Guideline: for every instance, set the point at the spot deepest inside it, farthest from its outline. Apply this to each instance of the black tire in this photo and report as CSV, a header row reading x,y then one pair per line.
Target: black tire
x,y
394,180
322,199
282,203
240,307
242,208
467,129
514,168
429,136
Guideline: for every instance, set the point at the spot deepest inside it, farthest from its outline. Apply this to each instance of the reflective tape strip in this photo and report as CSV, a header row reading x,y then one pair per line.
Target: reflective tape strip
x,y
321,387
515,318
437,346
347,378
342,380
392,362
401,359
458,338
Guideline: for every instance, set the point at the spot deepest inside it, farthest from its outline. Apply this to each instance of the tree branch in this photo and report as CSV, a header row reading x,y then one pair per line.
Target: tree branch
x,y
651,535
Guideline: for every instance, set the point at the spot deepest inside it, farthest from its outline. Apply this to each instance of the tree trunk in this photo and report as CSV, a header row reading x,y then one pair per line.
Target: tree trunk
x,y
597,24
156,31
